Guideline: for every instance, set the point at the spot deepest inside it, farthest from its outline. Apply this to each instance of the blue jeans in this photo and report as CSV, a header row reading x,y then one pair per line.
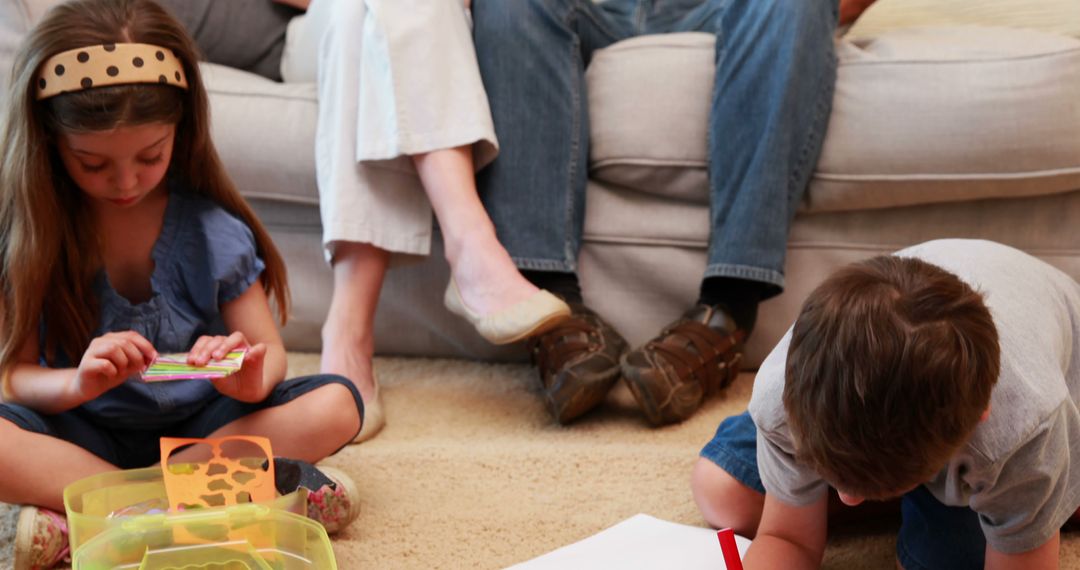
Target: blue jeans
x,y
932,535
775,73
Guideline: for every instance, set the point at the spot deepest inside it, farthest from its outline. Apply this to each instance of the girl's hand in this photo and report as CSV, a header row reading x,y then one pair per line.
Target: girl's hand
x,y
110,360
209,348
248,383
468,4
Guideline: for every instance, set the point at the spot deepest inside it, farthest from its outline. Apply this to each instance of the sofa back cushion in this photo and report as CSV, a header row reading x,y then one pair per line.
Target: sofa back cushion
x,y
14,21
920,116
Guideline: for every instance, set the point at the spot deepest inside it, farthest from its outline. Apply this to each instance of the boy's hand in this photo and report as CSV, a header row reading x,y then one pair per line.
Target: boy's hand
x,y
248,383
110,360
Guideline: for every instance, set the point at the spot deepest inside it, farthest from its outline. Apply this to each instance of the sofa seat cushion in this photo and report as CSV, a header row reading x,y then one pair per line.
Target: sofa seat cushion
x,y
920,116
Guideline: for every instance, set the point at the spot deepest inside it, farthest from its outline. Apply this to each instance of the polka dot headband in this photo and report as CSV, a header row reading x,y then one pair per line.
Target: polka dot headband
x,y
109,64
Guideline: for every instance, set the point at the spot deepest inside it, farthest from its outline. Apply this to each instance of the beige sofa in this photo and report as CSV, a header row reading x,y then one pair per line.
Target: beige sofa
x,y
959,131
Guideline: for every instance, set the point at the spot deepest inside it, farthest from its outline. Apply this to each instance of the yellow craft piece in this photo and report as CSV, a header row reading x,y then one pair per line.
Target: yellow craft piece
x,y
226,478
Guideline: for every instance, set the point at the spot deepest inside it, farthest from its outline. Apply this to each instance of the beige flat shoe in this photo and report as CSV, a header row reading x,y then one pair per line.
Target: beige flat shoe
x,y
374,420
532,316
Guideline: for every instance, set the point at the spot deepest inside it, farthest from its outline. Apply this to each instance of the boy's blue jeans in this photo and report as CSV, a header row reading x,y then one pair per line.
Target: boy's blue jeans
x,y
775,73
932,535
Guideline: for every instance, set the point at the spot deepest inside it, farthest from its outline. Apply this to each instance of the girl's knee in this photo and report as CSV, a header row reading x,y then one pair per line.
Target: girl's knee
x,y
725,502
332,408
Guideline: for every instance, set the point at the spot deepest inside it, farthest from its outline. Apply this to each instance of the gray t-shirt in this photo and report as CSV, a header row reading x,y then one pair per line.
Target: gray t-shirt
x,y
1018,471
245,34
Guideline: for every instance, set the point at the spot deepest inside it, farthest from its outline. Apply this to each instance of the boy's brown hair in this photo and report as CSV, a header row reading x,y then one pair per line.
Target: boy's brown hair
x,y
890,367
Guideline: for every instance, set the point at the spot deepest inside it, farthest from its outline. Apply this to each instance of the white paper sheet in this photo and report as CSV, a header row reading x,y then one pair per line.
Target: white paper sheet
x,y
640,542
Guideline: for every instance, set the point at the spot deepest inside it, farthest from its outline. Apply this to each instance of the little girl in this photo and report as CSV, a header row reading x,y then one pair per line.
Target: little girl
x,y
121,237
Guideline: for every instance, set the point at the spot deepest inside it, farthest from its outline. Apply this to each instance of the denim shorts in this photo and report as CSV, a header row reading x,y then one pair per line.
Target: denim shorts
x,y
129,448
932,535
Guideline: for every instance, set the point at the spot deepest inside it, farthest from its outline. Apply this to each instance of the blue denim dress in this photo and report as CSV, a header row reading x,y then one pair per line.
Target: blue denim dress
x,y
203,258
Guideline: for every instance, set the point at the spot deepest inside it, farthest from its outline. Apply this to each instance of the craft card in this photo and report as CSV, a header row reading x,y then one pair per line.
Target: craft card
x,y
175,366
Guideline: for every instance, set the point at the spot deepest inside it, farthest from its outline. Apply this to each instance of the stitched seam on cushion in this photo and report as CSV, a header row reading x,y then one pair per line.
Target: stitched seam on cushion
x,y
655,47
1055,172
227,93
660,162
1066,52
611,239
280,197
616,162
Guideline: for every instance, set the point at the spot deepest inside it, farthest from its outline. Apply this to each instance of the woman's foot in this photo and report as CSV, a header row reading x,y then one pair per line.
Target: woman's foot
x,y
348,341
351,357
487,289
486,277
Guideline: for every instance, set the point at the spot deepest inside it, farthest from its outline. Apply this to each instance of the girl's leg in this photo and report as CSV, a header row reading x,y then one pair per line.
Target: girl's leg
x,y
486,277
308,428
348,333
38,477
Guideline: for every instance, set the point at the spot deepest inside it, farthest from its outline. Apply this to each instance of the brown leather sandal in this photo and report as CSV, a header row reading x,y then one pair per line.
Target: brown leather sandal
x,y
578,362
693,357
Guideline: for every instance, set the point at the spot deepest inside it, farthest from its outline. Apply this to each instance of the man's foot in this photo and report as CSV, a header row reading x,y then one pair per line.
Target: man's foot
x,y
333,497
691,358
578,362
41,539
353,360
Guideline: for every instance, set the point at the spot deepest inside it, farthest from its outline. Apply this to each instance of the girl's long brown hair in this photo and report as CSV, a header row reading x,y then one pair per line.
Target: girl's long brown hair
x,y
48,245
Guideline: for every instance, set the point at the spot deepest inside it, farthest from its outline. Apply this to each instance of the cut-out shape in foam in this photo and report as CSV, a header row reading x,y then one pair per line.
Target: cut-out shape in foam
x,y
226,480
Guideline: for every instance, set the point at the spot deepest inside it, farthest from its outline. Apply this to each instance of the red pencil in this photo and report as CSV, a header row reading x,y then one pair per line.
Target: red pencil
x,y
731,551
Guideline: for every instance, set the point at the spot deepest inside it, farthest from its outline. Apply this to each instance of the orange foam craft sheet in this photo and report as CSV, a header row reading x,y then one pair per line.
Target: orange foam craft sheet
x,y
222,480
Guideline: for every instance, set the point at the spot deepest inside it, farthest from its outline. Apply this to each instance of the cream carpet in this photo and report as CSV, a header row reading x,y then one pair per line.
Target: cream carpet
x,y
471,473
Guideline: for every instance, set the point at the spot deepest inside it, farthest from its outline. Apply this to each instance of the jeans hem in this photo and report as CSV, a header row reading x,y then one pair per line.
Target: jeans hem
x,y
770,276
545,265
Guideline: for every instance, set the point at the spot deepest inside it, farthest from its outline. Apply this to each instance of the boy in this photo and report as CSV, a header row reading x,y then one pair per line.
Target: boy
x,y
948,375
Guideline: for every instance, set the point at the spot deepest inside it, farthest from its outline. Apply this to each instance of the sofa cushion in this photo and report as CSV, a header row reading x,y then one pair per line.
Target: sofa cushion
x,y
1054,16
14,21
649,100
280,117
920,116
